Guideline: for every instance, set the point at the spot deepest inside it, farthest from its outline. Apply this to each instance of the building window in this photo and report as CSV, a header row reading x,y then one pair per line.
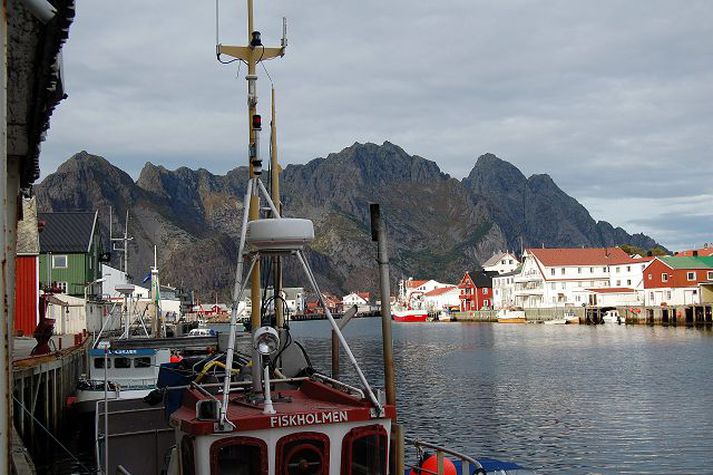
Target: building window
x,y
628,268
553,286
510,261
604,269
650,276
628,281
664,277
485,302
691,276
502,262
617,269
651,296
591,270
564,285
618,283
562,271
579,270
579,284
552,272
668,295
710,275
485,291
59,262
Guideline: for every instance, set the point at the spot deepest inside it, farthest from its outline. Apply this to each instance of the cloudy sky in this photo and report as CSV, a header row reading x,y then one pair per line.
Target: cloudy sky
x,y
613,99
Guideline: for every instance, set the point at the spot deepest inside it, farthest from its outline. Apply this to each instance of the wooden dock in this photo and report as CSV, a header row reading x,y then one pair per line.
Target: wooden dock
x,y
41,386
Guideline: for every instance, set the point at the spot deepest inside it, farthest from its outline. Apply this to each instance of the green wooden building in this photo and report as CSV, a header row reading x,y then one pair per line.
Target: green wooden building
x,y
70,251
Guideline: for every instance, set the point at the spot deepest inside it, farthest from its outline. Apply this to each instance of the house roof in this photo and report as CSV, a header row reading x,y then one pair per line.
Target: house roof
x,y
679,262
412,284
481,278
35,83
497,257
584,256
440,291
69,232
28,239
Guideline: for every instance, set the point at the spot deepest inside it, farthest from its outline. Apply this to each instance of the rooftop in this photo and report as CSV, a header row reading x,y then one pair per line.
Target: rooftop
x,y
680,262
585,256
69,232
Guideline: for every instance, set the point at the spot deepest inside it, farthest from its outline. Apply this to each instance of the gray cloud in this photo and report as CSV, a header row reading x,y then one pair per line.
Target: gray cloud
x,y
613,99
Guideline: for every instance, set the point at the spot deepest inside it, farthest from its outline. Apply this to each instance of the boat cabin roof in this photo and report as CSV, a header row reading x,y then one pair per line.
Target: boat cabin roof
x,y
312,403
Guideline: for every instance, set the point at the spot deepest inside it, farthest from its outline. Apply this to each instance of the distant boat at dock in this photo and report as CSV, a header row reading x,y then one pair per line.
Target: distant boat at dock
x,y
511,315
409,315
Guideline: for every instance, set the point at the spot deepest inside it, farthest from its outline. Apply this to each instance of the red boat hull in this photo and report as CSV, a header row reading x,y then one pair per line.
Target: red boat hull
x,y
409,316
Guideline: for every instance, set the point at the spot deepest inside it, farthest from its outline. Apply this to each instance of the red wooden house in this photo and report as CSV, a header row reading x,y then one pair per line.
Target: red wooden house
x,y
476,290
27,263
677,280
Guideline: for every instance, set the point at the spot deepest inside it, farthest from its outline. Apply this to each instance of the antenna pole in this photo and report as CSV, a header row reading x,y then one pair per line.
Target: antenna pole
x,y
252,54
275,192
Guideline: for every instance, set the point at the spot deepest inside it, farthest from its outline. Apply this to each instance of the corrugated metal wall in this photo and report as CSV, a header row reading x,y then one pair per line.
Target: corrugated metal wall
x,y
26,294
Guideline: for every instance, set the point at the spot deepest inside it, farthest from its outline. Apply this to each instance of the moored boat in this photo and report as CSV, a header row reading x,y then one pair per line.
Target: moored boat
x,y
407,315
511,315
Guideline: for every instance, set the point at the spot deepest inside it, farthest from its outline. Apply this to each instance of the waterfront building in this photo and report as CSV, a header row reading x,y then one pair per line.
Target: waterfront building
x,y
502,263
442,298
70,252
476,291
360,299
27,270
705,251
503,289
679,280
552,277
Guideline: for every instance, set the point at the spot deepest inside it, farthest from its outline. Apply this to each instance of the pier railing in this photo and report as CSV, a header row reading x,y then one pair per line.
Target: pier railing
x,y
440,453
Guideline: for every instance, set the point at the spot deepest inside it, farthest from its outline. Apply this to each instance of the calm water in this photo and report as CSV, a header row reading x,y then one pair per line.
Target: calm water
x,y
564,399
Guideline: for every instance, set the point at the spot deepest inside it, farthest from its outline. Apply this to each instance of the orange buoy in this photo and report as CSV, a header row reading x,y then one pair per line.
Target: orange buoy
x,y
430,465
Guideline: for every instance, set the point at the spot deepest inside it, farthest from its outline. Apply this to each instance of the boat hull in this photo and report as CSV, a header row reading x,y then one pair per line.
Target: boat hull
x,y
512,320
409,316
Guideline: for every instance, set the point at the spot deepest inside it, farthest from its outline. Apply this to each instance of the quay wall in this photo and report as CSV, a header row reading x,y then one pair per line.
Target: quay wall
x,y
685,314
532,314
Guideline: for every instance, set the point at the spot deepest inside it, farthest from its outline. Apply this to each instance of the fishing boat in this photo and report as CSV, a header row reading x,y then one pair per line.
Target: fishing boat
x,y
409,315
511,315
262,408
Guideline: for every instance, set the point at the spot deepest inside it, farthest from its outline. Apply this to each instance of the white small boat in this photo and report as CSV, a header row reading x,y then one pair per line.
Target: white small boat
x,y
612,316
444,316
571,318
556,321
511,315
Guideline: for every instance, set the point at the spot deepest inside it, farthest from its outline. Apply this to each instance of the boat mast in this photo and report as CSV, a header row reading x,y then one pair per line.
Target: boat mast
x,y
275,195
251,55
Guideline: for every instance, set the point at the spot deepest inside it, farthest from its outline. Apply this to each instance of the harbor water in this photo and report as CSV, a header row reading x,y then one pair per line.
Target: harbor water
x,y
554,398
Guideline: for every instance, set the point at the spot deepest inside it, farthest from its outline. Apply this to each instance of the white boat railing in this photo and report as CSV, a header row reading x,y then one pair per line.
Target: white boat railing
x,y
440,453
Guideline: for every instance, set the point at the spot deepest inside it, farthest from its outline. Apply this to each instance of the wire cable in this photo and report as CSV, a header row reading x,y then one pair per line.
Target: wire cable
x,y
84,467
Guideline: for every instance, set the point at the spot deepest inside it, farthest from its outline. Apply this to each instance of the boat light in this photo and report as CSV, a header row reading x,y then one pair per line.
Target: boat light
x,y
266,340
256,41
257,122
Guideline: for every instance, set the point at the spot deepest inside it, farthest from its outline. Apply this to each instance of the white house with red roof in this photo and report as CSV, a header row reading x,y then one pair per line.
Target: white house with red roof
x,y
412,291
442,298
552,277
360,299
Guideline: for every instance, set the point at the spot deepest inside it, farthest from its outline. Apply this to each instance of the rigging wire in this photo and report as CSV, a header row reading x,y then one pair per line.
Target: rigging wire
x,y
51,435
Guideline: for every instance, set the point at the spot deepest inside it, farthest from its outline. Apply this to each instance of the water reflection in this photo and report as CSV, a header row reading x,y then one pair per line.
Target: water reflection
x,y
573,399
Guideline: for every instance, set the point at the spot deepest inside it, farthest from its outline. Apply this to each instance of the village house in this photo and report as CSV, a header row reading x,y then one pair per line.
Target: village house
x,y
70,252
503,289
577,277
442,298
333,303
705,251
502,263
476,291
360,299
678,280
27,270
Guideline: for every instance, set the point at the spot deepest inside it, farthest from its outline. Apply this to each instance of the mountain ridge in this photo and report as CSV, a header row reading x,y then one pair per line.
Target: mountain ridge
x,y
438,226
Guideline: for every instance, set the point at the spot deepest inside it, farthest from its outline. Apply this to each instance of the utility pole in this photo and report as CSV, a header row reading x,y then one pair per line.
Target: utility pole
x,y
252,54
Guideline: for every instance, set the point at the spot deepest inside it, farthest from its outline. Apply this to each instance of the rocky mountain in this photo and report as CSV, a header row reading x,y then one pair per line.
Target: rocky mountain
x,y
438,226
